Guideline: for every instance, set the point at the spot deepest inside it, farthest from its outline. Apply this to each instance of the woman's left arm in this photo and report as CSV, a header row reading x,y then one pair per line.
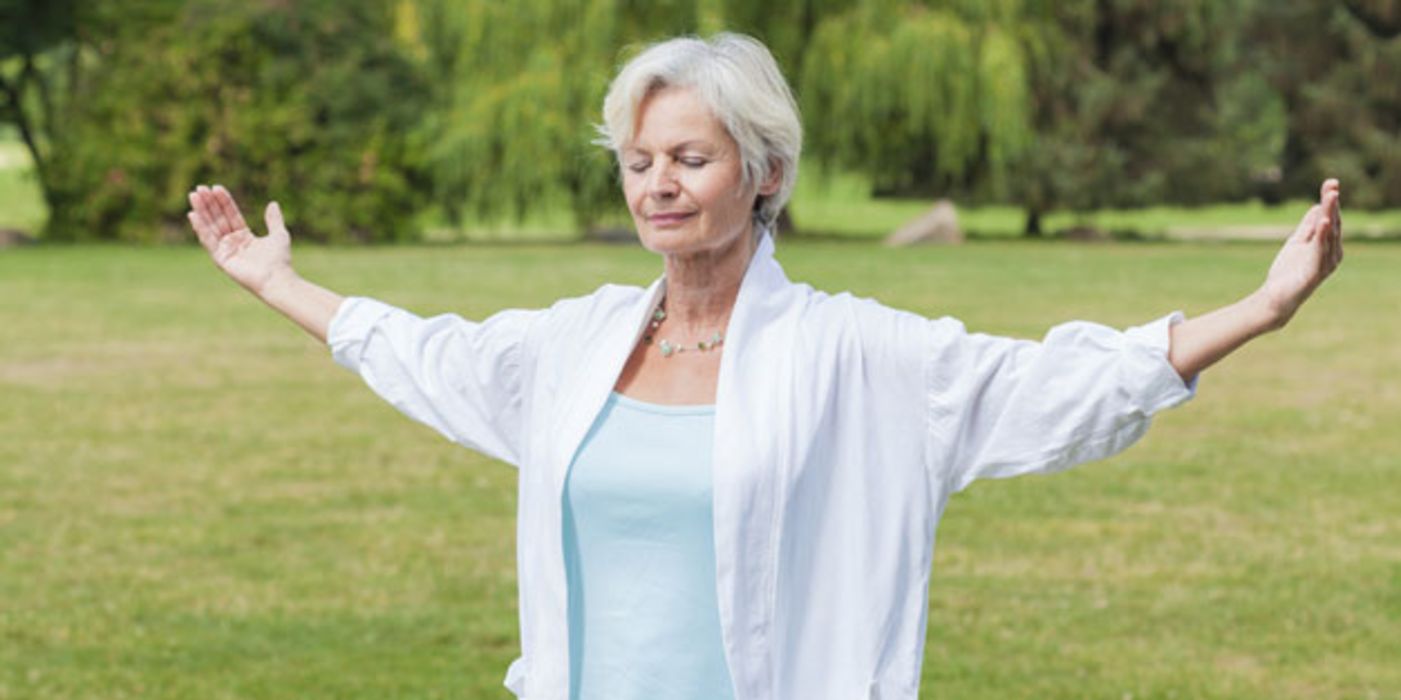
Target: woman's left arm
x,y
1307,258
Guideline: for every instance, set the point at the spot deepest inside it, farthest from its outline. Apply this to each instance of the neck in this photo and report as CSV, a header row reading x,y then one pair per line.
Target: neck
x,y
701,288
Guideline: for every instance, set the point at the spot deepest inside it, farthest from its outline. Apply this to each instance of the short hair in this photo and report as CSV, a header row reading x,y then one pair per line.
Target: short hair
x,y
738,78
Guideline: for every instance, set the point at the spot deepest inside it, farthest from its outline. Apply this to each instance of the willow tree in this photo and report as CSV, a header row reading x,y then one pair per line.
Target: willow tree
x,y
930,99
519,86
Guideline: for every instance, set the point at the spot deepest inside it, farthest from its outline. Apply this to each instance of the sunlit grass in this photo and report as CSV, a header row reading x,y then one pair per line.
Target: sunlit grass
x,y
196,503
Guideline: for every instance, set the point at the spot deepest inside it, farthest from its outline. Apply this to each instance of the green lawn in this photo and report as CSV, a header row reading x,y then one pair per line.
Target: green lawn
x,y
195,502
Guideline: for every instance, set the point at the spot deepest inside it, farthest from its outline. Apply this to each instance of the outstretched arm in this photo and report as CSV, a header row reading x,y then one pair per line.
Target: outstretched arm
x,y
1312,252
261,264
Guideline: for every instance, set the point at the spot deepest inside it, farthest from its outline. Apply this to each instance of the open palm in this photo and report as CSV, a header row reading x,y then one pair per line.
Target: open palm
x,y
251,260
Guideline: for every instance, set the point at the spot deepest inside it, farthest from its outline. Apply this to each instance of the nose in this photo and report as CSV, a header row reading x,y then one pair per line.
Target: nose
x,y
662,182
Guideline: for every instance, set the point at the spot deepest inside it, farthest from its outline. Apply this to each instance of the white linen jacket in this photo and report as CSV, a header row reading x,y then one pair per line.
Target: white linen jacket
x,y
841,429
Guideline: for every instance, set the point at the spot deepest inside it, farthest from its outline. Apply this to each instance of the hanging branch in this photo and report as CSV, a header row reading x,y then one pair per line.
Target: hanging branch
x,y
14,94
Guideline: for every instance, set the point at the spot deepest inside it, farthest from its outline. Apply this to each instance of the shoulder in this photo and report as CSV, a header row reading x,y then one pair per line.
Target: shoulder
x,y
604,301
587,314
867,318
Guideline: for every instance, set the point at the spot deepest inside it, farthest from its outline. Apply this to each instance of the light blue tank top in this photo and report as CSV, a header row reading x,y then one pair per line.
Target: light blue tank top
x,y
640,557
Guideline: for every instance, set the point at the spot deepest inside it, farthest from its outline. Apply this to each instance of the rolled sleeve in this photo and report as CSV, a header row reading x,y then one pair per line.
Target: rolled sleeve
x,y
1151,342
461,378
351,326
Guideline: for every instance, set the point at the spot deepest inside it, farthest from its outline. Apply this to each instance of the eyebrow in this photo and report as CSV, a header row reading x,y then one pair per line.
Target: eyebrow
x,y
693,143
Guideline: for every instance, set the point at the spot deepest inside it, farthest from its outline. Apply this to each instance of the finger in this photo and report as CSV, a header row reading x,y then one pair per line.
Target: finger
x,y
1323,229
230,208
1308,226
1331,184
213,212
1337,208
277,227
196,198
195,207
202,231
1336,235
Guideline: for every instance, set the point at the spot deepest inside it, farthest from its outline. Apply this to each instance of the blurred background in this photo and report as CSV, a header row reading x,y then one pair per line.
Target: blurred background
x,y
195,502
410,120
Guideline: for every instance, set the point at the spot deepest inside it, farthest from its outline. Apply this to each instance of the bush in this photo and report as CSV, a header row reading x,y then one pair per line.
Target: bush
x,y
304,102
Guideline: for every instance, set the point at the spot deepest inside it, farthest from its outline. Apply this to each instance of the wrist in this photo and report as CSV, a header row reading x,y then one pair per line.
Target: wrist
x,y
277,286
1269,312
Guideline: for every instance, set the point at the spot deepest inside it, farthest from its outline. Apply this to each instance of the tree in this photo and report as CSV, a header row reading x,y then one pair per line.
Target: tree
x,y
48,49
926,99
513,118
1337,67
307,102
1145,102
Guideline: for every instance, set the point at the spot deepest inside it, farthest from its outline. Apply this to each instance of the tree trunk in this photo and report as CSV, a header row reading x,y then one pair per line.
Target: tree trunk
x,y
14,96
1033,223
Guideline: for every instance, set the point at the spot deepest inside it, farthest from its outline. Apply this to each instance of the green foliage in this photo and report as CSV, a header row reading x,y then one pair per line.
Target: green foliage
x,y
1337,67
513,122
512,116
924,100
1137,103
357,114
307,102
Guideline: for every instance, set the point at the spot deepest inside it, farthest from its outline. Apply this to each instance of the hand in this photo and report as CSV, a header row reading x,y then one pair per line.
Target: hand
x,y
1311,254
252,261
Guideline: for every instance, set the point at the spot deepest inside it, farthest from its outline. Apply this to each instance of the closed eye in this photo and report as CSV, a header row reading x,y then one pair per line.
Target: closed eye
x,y
641,166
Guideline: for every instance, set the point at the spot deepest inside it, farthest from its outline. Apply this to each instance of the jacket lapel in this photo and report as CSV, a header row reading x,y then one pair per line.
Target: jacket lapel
x,y
748,411
599,371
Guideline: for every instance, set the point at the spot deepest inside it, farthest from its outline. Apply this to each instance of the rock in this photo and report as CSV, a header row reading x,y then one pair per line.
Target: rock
x,y
10,238
938,225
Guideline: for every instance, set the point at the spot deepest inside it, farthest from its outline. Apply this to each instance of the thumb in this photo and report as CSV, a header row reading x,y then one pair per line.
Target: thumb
x,y
276,227
1309,224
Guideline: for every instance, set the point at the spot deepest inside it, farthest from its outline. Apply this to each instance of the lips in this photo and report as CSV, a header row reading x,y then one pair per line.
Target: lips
x,y
669,218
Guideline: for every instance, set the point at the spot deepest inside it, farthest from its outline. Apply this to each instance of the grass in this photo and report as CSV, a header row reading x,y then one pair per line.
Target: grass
x,y
195,502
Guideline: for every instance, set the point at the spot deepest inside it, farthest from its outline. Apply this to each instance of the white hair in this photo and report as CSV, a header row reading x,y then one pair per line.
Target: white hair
x,y
738,78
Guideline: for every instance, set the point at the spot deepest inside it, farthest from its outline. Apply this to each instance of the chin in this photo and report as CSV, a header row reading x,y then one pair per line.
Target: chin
x,y
683,240
669,240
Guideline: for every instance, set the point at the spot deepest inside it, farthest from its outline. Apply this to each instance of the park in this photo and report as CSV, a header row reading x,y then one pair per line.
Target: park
x,y
196,502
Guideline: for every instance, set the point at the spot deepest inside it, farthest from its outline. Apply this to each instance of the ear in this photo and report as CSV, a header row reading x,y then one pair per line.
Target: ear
x,y
774,181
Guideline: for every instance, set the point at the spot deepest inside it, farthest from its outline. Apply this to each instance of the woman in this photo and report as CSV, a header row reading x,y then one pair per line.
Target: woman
x,y
729,482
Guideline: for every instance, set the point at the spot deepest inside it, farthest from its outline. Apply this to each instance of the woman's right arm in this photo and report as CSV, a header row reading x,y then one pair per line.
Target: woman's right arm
x,y
460,377
260,264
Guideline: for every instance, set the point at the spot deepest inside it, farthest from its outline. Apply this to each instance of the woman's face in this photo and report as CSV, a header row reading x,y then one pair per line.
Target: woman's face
x,y
682,177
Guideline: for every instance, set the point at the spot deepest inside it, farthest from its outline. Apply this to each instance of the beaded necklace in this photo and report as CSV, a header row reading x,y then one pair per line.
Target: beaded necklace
x,y
669,348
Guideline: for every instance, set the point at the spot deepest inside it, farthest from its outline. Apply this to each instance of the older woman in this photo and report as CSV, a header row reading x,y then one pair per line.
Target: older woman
x,y
730,482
